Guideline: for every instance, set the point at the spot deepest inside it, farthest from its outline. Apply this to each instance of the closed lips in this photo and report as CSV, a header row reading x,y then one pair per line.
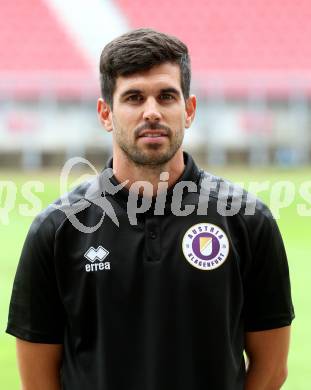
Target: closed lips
x,y
153,134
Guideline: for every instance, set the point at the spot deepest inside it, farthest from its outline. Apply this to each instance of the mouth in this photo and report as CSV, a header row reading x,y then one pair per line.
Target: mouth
x,y
152,134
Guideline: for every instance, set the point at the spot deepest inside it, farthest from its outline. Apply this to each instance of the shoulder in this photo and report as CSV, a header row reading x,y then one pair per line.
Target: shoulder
x,y
50,219
232,200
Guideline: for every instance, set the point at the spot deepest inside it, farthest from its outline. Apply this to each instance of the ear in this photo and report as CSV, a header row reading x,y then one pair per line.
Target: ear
x,y
191,105
104,114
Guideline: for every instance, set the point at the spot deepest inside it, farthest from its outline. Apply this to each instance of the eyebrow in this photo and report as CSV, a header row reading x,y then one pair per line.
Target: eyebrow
x,y
170,90
130,92
139,91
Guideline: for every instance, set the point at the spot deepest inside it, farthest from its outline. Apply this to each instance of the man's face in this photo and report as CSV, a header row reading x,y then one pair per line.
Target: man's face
x,y
149,115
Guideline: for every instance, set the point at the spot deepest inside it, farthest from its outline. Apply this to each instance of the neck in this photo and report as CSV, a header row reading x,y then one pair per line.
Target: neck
x,y
125,169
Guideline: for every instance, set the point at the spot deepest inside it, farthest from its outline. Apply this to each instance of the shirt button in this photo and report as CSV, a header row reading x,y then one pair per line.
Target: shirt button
x,y
153,235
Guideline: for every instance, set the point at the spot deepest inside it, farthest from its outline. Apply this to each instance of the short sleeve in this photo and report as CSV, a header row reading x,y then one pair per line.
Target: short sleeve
x,y
268,302
36,312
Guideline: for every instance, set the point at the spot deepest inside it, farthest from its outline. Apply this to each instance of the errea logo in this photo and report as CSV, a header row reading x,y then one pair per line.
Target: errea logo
x,y
99,254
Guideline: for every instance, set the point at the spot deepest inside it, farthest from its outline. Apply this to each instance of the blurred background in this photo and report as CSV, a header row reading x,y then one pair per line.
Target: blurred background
x,y
251,63
251,66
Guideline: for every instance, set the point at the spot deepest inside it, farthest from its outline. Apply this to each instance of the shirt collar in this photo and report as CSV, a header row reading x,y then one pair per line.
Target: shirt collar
x,y
191,173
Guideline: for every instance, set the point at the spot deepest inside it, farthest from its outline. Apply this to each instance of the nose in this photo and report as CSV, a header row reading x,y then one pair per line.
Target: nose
x,y
151,110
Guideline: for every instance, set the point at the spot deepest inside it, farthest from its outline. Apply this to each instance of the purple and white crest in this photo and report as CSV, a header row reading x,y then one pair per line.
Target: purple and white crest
x,y
205,246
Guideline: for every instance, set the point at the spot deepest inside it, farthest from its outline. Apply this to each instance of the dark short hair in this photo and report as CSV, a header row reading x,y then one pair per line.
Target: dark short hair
x,y
140,50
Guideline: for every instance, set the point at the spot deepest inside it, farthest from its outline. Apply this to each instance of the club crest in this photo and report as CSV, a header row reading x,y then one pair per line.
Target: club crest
x,y
205,246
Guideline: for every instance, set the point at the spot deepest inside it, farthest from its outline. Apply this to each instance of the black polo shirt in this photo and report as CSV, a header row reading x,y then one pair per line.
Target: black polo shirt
x,y
160,304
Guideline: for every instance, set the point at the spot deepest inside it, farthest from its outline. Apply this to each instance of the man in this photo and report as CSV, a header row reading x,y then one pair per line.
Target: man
x,y
169,299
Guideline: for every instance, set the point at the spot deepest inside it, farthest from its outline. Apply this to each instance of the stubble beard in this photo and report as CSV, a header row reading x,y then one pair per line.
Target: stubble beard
x,y
152,155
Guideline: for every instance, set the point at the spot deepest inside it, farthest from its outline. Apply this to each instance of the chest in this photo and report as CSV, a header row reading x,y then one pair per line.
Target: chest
x,y
194,256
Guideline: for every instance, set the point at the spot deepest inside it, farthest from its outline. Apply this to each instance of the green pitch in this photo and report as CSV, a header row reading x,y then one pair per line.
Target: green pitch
x,y
296,231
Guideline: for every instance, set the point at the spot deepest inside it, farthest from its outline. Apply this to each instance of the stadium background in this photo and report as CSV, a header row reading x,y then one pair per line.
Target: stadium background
x,y
251,63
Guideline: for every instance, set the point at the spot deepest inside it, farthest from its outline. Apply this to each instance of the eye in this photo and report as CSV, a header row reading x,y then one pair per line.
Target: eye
x,y
166,96
134,98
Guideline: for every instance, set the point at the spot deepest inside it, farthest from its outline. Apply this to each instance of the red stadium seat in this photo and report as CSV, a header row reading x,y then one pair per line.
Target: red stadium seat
x,y
237,41
35,45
